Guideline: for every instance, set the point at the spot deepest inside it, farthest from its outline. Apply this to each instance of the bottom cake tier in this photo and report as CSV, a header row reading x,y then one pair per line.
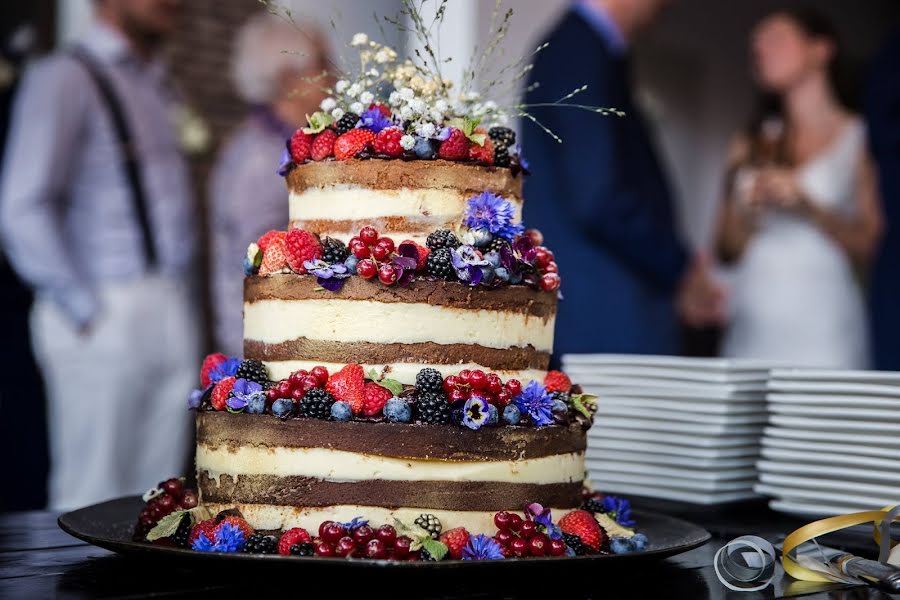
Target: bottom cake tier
x,y
301,472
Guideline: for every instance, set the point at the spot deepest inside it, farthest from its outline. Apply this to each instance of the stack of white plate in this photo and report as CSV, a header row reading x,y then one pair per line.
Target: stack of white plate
x,y
833,441
676,428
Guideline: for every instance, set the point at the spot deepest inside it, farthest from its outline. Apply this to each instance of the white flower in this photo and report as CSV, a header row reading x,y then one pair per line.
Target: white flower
x,y
406,112
437,116
360,39
441,106
357,107
341,86
252,251
328,104
394,99
385,55
470,96
417,105
338,114
407,142
373,73
366,97
354,90
426,130
407,93
503,119
490,105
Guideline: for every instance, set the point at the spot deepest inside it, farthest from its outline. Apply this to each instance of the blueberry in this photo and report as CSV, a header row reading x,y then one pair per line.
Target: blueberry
x,y
559,407
487,274
620,545
397,411
249,269
481,238
424,149
256,403
340,411
493,258
640,542
493,415
502,273
512,414
351,263
283,407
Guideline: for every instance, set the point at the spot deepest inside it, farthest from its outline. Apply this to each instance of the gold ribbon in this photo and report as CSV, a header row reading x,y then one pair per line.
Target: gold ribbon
x,y
881,520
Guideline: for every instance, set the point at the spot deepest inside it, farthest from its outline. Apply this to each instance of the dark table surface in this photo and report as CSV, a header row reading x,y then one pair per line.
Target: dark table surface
x,y
38,560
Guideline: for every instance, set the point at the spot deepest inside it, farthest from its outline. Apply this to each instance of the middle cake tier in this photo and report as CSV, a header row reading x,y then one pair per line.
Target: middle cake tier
x,y
291,323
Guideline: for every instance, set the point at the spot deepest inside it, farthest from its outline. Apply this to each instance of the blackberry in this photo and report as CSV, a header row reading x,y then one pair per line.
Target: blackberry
x,y
574,542
593,505
429,523
433,408
426,556
497,244
502,136
181,535
501,156
253,370
561,396
442,238
334,251
304,549
347,123
258,543
316,404
440,264
429,380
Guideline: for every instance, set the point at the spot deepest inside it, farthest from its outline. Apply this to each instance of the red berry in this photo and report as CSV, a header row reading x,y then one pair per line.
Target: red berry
x,y
528,529
291,537
206,528
583,524
375,550
456,540
536,237
387,274
271,395
478,380
301,144
387,142
361,535
482,154
386,243
173,486
458,395
387,534
283,389
464,376
494,385
515,522
539,544
502,398
333,532
345,546
557,381
166,502
310,383
502,520
514,387
348,385
188,499
322,527
221,392
380,252
456,147
359,248
301,246
298,393
352,143
263,243
323,145
296,378
383,109
325,549
519,547
366,268
557,548
369,235
376,396
320,373
552,267
451,382
504,538
401,546
550,282
542,257
209,363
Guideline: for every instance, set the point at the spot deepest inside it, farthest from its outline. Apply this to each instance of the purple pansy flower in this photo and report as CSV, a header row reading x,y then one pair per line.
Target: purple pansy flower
x,y
405,262
196,399
240,394
482,547
356,523
619,510
228,538
518,260
492,213
467,263
330,277
542,516
535,402
226,368
286,162
443,134
475,413
374,120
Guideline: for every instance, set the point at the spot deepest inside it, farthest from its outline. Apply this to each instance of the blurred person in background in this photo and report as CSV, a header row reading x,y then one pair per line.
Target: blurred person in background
x,y
801,219
277,69
96,215
601,196
883,113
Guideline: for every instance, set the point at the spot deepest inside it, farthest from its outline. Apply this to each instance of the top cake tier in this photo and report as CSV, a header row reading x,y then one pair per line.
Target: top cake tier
x,y
401,199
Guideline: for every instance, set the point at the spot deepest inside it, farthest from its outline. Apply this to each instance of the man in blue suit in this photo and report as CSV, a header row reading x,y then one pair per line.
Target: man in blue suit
x,y
601,197
883,113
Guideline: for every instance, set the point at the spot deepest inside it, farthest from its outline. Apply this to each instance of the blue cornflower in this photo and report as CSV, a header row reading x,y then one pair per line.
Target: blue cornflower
x,y
226,368
228,538
475,413
619,510
535,402
374,120
491,212
355,523
286,162
482,547
241,392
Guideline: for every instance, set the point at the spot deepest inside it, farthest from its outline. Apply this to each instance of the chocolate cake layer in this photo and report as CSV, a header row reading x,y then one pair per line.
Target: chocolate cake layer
x,y
398,440
441,495
517,299
398,174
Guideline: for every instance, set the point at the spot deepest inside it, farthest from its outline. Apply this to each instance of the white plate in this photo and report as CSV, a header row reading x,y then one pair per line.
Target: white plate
x,y
841,425
811,456
612,409
806,509
604,478
668,471
678,495
838,375
843,389
877,402
873,476
850,449
865,439
678,362
856,503
609,425
832,485
670,374
686,407
649,458
647,384
699,395
694,453
836,412
672,438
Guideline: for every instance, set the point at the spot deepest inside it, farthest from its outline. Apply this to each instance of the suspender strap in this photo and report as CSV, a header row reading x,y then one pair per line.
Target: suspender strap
x,y
127,146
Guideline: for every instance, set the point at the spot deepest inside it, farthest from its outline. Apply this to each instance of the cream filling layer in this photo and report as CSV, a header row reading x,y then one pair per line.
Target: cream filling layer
x,y
339,320
279,517
402,372
339,465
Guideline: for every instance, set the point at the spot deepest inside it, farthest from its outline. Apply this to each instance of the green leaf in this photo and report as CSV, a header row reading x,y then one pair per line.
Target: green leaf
x,y
469,125
374,375
435,548
478,138
586,404
318,122
257,259
392,385
318,288
167,526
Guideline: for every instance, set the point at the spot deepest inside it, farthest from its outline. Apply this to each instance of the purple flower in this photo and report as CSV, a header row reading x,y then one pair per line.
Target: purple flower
x,y
467,263
226,368
240,394
195,399
443,134
405,262
482,547
286,162
491,212
523,162
330,277
535,402
374,120
619,510
475,413
518,260
228,538
356,523
542,516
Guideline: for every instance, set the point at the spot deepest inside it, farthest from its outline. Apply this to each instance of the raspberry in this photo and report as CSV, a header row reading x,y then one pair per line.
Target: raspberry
x,y
207,528
291,537
482,154
557,381
347,123
455,539
583,524
274,258
209,363
221,392
375,399
456,147
387,142
301,246
301,144
323,146
352,143
238,522
348,385
266,238
423,254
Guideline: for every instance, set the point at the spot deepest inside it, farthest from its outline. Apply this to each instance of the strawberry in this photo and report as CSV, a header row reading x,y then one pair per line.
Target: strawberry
x,y
266,239
557,381
352,143
387,142
301,246
456,147
209,363
220,393
238,522
348,385
455,540
300,146
375,397
291,537
323,145
482,154
274,258
423,254
207,528
583,524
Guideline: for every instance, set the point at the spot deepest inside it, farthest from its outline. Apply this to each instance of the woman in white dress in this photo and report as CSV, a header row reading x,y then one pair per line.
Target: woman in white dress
x,y
801,218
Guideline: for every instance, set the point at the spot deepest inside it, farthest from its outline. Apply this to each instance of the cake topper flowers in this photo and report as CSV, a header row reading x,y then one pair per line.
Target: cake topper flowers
x,y
490,212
